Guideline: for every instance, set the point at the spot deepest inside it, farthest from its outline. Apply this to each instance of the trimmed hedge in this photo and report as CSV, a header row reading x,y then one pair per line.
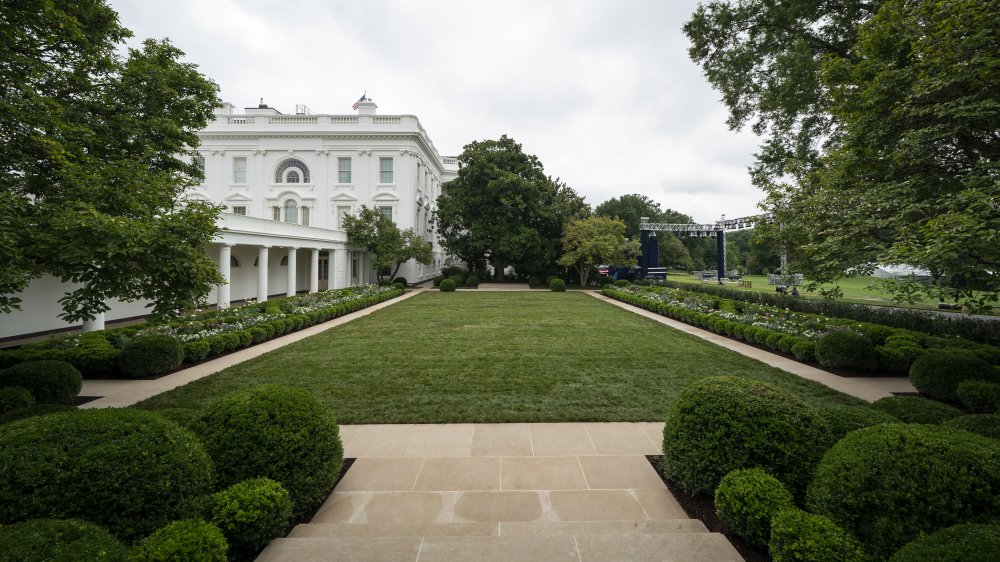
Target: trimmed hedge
x,y
34,411
93,355
251,513
448,286
128,470
979,397
746,501
846,349
46,540
50,382
151,355
961,543
720,424
915,409
797,536
277,432
987,425
557,285
14,398
888,484
186,539
938,374
845,419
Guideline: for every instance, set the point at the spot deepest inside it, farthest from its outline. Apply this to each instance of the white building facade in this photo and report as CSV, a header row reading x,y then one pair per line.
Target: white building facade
x,y
286,182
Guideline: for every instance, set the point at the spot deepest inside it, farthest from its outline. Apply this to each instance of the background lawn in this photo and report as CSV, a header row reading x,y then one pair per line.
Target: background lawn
x,y
492,357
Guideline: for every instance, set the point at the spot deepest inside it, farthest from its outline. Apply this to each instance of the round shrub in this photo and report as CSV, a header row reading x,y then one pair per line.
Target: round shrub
x,y
13,398
251,513
35,411
720,424
277,432
187,539
557,285
888,484
845,419
130,471
846,349
961,543
534,281
938,374
44,540
437,280
915,409
459,279
401,281
746,501
472,281
50,382
797,536
892,360
979,397
448,286
195,351
150,355
804,350
987,425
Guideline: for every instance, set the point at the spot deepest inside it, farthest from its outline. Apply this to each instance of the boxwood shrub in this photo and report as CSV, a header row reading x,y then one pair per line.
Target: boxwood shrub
x,y
448,286
969,542
797,536
401,281
472,282
251,513
50,382
987,425
186,539
150,355
845,419
13,398
980,397
804,350
915,409
846,349
938,374
195,351
888,484
47,540
557,285
34,411
746,501
534,281
128,470
720,424
277,432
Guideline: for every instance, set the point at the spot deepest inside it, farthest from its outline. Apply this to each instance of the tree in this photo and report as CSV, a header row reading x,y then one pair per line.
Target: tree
x,y
381,237
595,240
96,151
673,253
631,208
503,207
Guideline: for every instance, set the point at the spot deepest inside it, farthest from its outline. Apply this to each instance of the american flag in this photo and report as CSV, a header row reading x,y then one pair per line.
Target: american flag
x,y
364,97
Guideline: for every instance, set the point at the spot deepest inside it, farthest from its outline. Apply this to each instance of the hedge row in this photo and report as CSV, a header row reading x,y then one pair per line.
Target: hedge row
x,y
99,354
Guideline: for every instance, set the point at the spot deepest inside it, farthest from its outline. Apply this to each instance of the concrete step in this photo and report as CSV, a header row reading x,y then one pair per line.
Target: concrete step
x,y
517,529
667,547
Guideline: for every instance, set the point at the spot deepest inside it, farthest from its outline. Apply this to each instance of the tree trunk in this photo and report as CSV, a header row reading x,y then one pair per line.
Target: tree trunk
x,y
498,270
584,271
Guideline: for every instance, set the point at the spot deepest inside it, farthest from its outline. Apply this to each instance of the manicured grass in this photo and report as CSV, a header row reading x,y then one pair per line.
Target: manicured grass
x,y
492,357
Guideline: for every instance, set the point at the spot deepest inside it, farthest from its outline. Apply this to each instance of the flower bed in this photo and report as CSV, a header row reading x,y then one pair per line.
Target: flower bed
x,y
204,333
788,331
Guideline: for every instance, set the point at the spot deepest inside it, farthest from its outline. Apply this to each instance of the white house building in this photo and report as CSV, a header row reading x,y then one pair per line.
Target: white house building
x,y
286,181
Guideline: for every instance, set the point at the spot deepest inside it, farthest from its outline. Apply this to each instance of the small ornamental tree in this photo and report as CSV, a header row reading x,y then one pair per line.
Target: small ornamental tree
x,y
383,239
594,240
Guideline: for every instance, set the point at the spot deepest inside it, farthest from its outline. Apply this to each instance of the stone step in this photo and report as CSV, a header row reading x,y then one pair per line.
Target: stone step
x,y
667,547
661,526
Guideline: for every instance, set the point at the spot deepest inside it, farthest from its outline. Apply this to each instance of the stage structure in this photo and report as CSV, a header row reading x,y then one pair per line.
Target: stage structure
x,y
650,258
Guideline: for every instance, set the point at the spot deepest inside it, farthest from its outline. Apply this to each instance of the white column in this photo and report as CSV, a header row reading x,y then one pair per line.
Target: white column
x,y
291,271
94,325
341,268
225,258
314,271
262,273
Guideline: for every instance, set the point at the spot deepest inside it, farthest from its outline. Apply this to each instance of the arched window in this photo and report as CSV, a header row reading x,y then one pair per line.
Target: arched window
x,y
292,170
291,212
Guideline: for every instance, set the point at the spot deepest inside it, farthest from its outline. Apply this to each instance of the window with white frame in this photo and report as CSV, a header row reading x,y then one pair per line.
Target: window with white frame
x,y
386,211
239,210
240,169
291,170
344,170
304,211
276,213
291,212
341,213
385,169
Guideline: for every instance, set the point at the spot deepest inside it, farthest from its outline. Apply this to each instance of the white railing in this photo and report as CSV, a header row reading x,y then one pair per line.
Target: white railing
x,y
292,120
242,120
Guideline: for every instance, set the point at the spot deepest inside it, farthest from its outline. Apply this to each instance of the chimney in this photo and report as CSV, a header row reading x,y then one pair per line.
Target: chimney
x,y
367,107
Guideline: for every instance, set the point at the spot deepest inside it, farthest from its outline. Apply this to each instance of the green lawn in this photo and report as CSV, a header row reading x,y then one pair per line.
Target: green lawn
x,y
492,357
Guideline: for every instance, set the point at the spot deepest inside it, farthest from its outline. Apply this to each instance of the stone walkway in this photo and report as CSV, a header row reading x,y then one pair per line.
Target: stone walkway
x,y
517,492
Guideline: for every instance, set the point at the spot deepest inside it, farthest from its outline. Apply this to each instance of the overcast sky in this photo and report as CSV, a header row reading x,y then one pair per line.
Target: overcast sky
x,y
602,92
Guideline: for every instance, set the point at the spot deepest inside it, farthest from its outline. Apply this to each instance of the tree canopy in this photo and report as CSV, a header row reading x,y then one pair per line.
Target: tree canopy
x,y
502,207
389,246
632,207
96,151
595,240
